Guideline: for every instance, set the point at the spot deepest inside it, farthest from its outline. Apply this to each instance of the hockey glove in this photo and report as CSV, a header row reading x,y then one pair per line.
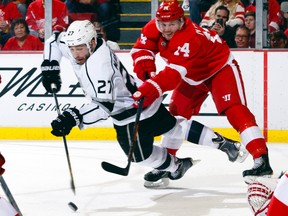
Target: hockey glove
x,y
144,64
51,75
2,161
153,88
63,124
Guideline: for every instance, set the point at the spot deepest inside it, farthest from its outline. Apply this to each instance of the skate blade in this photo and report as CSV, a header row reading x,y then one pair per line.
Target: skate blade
x,y
250,179
160,184
194,162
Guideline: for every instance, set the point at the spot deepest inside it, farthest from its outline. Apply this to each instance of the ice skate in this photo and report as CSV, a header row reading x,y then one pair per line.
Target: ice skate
x,y
184,165
261,168
234,150
156,179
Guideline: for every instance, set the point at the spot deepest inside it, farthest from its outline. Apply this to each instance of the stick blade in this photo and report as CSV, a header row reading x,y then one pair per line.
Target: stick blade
x,y
115,169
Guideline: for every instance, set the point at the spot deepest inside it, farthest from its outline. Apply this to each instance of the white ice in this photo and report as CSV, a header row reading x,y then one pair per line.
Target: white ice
x,y
38,176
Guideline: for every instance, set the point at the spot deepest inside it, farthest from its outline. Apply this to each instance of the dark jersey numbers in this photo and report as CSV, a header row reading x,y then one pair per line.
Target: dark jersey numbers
x,y
104,86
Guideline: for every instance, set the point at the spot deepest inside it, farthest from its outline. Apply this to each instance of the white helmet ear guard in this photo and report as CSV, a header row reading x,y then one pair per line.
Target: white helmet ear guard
x,y
80,32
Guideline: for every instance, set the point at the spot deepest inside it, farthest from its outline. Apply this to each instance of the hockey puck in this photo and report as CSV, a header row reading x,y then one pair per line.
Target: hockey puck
x,y
72,206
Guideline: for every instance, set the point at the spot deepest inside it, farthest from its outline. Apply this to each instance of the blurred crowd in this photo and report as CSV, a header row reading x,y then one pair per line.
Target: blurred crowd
x,y
235,20
22,22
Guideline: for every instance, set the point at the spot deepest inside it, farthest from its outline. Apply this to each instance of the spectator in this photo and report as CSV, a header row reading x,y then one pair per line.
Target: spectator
x,y
105,9
196,8
248,3
236,17
22,40
274,16
108,14
278,39
250,23
225,32
22,7
242,37
101,32
8,12
284,17
35,17
81,10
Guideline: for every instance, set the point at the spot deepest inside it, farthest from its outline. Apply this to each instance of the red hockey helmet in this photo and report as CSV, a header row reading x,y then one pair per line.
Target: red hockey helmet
x,y
169,10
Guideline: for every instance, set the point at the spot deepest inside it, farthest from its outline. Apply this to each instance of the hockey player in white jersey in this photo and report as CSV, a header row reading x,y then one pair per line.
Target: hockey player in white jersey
x,y
109,86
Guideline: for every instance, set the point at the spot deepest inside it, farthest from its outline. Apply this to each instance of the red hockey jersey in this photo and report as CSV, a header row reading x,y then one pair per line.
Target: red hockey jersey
x,y
196,53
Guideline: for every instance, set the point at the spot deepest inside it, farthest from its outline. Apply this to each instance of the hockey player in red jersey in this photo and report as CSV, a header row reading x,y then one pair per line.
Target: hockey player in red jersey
x,y
198,62
6,208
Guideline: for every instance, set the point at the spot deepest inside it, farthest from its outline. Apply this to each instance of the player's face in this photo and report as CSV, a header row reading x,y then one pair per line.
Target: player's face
x,y
80,53
168,29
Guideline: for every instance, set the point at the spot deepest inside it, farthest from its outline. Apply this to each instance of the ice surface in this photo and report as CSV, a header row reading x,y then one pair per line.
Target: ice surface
x,y
38,176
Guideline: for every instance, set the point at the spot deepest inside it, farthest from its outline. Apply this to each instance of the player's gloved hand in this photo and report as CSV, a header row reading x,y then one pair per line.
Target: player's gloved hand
x,y
51,75
144,64
150,90
2,161
153,88
63,124
0,79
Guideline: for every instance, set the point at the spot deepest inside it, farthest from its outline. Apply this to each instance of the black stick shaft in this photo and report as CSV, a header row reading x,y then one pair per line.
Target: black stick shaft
x,y
124,171
64,141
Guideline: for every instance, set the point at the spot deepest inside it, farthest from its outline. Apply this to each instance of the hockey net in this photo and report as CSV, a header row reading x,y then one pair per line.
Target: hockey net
x,y
259,195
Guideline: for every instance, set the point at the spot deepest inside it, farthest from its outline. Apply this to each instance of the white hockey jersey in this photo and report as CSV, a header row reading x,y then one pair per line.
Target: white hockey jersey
x,y
105,81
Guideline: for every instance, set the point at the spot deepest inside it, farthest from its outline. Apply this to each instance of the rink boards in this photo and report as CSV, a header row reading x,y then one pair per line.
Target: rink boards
x,y
27,110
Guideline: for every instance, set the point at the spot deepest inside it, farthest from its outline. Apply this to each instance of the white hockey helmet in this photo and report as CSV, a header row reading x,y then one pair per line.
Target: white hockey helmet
x,y
80,32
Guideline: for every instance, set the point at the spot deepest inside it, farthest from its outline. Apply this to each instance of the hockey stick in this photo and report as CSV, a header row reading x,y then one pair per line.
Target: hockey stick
x,y
9,195
124,171
53,86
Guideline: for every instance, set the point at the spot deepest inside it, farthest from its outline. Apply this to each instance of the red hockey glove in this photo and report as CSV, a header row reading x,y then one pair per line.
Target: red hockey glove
x,y
0,79
153,88
144,64
150,90
2,161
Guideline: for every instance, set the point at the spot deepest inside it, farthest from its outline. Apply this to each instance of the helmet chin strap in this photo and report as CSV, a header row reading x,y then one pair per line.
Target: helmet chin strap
x,y
182,23
90,47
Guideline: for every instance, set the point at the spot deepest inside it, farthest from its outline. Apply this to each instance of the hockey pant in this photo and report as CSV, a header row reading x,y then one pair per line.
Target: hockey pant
x,y
145,152
189,130
227,90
